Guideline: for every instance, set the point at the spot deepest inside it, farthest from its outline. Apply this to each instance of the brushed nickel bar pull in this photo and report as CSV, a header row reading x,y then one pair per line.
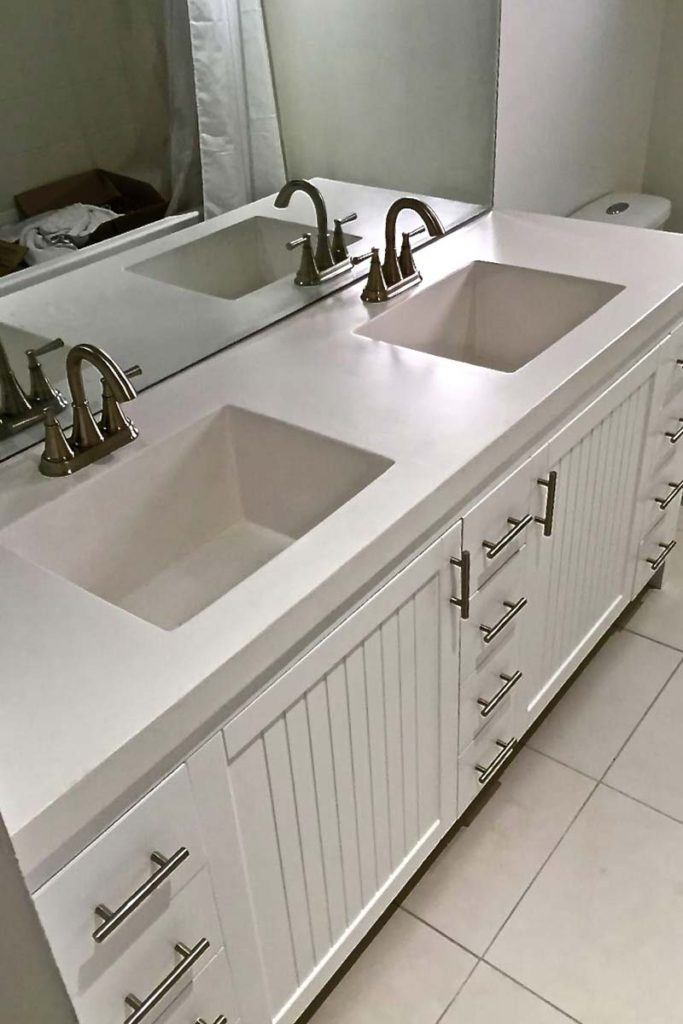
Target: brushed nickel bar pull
x,y
548,519
219,1020
675,437
658,562
489,706
463,602
494,548
486,772
665,502
111,919
142,1007
493,631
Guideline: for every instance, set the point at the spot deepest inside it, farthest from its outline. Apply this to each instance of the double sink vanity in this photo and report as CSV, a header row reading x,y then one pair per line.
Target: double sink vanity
x,y
262,659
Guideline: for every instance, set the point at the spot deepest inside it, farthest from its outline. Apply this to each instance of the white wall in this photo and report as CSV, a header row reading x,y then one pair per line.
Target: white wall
x,y
82,84
391,93
577,80
664,170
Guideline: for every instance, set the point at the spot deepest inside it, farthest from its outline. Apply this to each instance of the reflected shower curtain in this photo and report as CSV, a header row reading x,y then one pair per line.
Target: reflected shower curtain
x,y
235,119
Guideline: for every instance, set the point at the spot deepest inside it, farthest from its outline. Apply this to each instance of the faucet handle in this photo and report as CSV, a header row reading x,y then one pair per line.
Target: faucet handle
x,y
376,286
308,273
340,252
113,419
405,259
43,392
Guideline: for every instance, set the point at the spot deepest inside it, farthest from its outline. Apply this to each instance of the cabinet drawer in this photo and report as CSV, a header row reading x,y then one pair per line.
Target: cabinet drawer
x,y
485,757
655,546
487,694
495,614
112,870
149,959
497,526
209,998
672,367
661,490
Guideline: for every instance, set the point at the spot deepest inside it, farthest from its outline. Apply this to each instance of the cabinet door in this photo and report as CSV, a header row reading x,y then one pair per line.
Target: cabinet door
x,y
585,568
343,777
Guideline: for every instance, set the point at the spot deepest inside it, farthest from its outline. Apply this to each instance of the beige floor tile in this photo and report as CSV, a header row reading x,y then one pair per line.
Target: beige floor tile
x,y
407,975
474,884
595,717
600,932
490,998
650,767
659,614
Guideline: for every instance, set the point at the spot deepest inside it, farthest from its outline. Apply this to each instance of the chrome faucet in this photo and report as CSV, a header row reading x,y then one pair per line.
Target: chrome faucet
x,y
328,259
90,440
18,410
397,272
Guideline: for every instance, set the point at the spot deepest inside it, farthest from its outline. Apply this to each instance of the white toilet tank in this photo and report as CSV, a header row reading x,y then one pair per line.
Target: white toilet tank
x,y
633,209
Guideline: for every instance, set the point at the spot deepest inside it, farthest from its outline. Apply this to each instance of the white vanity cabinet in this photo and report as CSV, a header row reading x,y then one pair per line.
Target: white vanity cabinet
x,y
340,778
583,573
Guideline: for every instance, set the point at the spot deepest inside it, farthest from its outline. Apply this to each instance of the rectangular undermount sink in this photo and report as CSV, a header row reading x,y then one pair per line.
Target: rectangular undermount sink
x,y
166,534
234,261
491,314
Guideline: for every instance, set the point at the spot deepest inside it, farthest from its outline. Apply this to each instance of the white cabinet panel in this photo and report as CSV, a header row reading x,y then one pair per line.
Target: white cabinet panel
x,y
343,776
585,569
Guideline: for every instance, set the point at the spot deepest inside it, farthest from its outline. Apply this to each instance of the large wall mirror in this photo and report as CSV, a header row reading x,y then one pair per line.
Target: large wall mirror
x,y
154,135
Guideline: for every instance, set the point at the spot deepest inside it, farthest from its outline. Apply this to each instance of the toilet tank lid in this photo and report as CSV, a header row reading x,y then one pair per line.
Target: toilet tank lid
x,y
634,209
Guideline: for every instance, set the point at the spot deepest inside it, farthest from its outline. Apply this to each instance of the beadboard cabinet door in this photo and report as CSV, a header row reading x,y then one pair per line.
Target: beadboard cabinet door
x,y
584,570
342,778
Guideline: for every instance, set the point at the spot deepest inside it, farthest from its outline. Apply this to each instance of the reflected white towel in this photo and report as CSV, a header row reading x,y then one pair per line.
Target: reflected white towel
x,y
56,233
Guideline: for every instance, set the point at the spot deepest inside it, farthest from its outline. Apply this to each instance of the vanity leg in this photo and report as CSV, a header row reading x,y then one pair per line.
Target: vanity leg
x,y
657,581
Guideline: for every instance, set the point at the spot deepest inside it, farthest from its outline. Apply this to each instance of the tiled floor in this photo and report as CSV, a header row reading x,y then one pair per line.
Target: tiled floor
x,y
563,900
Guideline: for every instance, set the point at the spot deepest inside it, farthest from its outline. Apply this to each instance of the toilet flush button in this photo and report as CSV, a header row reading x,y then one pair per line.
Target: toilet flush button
x,y
617,208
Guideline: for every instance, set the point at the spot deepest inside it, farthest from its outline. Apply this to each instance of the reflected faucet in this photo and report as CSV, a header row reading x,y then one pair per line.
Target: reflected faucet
x,y
397,272
328,259
18,410
89,441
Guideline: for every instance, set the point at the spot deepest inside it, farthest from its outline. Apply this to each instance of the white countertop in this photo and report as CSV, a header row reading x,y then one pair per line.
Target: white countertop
x,y
95,700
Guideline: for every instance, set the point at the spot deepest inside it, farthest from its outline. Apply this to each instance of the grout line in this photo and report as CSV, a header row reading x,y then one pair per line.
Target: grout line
x,y
460,988
643,803
530,991
642,718
438,931
571,767
540,869
644,636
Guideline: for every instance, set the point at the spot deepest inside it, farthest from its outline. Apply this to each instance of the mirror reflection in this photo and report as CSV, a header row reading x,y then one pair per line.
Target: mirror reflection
x,y
146,149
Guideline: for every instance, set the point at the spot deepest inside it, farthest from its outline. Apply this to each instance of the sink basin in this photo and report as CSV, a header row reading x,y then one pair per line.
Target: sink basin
x,y
491,314
168,532
232,262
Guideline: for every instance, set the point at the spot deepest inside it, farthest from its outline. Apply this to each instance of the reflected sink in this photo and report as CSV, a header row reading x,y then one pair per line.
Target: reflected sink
x,y
232,262
167,533
491,314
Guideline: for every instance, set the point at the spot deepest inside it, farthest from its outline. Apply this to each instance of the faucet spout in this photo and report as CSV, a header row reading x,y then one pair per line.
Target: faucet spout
x,y
121,388
392,272
323,253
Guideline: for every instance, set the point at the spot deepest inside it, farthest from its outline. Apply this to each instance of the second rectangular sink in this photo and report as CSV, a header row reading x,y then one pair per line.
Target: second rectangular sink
x,y
168,532
491,314
234,261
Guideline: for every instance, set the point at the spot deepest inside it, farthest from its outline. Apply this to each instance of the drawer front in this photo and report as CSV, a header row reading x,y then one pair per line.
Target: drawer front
x,y
498,526
672,367
151,960
111,871
487,695
209,998
664,488
496,612
655,545
485,757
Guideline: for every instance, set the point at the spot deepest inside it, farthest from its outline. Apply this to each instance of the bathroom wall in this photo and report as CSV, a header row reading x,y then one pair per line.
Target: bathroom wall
x,y
576,90
81,85
664,169
388,93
